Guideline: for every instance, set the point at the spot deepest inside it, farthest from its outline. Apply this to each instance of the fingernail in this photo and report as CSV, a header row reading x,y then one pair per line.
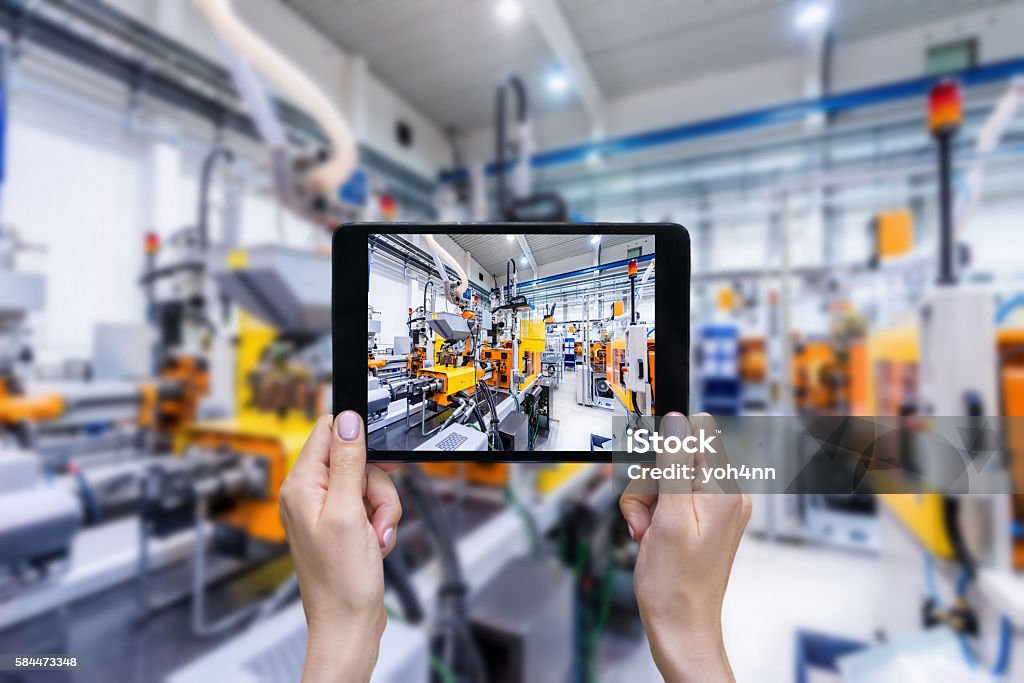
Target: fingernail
x,y
388,533
348,426
631,534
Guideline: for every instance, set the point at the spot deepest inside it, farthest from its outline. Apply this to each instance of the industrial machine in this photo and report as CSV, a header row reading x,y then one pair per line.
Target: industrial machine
x,y
477,366
630,366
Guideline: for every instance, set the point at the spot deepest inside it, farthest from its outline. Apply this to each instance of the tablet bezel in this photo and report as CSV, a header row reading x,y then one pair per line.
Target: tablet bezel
x,y
350,290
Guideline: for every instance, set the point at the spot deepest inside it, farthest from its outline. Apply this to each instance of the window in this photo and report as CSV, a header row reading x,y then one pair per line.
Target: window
x,y
634,252
956,55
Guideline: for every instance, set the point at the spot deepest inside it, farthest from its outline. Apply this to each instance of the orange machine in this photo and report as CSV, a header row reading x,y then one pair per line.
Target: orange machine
x,y
165,407
820,377
501,356
752,359
15,407
598,351
1010,346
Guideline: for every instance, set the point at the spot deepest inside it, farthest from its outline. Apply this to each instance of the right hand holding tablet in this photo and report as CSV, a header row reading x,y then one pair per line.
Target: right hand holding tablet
x,y
688,538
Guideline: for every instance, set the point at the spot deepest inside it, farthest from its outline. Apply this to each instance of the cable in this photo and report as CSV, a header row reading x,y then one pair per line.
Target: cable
x,y
452,593
205,180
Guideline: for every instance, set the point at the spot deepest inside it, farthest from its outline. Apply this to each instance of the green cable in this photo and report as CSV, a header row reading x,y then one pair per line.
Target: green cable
x,y
442,670
511,499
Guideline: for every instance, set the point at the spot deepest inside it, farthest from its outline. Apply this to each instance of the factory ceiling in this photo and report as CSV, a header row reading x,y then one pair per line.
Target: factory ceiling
x,y
446,56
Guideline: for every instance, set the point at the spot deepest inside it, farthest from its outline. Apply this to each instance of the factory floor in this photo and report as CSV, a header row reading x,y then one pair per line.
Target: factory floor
x,y
575,422
777,589
104,631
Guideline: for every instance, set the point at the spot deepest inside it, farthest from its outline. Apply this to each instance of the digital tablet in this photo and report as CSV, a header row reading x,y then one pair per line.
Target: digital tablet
x,y
507,342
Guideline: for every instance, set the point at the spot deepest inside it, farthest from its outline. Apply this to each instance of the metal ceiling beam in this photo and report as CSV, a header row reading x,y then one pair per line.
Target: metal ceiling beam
x,y
769,116
529,254
548,17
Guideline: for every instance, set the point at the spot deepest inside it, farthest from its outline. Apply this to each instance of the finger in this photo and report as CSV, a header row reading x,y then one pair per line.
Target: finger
x,y
714,457
637,508
674,425
387,466
316,453
385,507
348,461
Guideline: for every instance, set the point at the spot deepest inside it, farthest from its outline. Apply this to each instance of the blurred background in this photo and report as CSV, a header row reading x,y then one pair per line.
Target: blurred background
x,y
851,176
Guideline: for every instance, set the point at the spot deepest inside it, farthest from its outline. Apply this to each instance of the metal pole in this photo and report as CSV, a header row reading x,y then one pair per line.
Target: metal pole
x,y
947,276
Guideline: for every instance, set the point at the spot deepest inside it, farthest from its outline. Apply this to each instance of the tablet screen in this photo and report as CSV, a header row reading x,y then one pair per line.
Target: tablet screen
x,y
508,343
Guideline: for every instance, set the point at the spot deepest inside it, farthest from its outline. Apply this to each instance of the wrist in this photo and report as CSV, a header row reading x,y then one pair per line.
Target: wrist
x,y
340,652
691,655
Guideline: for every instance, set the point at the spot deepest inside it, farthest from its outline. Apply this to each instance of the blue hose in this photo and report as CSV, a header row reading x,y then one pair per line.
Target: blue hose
x,y
1002,664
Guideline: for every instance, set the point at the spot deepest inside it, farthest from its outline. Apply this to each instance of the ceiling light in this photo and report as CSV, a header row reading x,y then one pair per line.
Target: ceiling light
x,y
813,15
510,237
596,239
508,10
523,260
557,82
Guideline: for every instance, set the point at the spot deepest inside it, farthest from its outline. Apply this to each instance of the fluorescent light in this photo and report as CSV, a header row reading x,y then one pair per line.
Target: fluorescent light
x,y
596,239
508,10
812,15
557,82
510,238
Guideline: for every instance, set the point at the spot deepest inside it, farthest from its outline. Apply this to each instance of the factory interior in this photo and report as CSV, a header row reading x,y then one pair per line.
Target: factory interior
x,y
450,365
851,176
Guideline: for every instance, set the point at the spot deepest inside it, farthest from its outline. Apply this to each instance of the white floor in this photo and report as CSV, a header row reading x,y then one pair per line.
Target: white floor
x,y
575,422
776,590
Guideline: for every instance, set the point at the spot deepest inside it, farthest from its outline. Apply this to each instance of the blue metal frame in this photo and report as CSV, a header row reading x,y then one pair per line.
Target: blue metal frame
x,y
587,271
794,111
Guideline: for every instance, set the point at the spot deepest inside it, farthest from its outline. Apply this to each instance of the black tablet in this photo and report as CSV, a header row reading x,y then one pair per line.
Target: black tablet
x,y
505,342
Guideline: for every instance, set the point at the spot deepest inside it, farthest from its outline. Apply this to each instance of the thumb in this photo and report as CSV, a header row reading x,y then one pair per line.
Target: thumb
x,y
637,508
347,478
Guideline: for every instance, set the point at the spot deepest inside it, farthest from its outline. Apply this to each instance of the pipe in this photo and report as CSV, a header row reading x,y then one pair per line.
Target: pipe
x,y
501,134
203,219
293,84
586,271
452,263
769,116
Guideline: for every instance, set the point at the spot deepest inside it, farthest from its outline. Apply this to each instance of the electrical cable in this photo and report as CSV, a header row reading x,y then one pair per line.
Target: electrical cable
x,y
452,592
397,573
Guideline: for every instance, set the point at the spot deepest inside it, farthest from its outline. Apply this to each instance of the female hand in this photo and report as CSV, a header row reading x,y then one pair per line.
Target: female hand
x,y
340,516
688,534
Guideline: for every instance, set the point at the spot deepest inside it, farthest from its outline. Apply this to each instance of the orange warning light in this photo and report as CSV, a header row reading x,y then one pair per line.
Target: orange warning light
x,y
945,107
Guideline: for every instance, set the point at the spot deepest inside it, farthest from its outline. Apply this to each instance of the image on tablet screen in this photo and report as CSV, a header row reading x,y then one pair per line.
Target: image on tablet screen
x,y
510,343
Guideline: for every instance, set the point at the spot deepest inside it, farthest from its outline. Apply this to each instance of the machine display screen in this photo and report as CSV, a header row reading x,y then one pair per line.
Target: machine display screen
x,y
507,343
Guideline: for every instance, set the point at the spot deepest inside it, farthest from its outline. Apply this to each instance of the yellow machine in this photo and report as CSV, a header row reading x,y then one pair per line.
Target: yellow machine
x,y
533,335
278,397
453,381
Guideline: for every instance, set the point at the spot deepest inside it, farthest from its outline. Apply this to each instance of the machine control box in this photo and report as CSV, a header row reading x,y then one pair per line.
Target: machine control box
x,y
636,358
